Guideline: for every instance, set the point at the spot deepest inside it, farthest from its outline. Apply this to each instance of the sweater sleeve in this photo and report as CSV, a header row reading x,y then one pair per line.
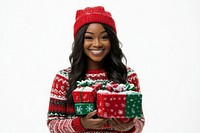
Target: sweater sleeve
x,y
61,118
133,79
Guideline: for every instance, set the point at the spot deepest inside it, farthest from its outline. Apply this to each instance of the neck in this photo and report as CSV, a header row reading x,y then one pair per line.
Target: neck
x,y
95,65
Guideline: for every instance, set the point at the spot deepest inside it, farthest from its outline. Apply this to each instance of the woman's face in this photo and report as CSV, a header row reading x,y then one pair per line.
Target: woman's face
x,y
96,43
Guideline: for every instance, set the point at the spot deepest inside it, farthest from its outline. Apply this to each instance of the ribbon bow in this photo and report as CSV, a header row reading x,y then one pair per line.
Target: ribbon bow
x,y
119,87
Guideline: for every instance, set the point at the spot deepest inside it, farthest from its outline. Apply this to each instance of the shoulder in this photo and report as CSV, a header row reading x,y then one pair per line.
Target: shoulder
x,y
133,78
60,85
62,75
130,71
64,72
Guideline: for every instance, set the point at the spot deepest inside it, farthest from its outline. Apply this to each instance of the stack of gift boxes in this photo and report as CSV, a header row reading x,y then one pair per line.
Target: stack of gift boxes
x,y
85,96
111,100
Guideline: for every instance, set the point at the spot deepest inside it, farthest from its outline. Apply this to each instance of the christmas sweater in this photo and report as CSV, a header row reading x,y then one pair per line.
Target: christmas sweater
x,y
61,117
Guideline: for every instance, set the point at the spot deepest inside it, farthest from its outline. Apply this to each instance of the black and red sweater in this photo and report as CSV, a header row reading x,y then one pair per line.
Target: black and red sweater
x,y
62,119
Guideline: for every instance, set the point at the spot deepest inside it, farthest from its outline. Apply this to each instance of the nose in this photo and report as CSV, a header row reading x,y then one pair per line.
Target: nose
x,y
97,43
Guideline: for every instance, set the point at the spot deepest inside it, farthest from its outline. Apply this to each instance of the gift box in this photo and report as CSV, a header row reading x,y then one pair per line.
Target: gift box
x,y
84,94
84,108
126,104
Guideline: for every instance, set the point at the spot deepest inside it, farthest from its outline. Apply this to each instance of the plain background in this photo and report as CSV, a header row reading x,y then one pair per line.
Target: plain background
x,y
161,40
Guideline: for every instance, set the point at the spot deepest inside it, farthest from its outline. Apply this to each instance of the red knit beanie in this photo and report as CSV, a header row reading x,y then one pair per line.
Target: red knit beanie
x,y
93,14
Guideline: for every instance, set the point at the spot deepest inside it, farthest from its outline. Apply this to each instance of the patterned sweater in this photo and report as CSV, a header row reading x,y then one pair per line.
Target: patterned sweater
x,y
62,119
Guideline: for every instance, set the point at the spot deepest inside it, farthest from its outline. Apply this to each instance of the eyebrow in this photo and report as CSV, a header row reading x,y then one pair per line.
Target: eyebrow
x,y
93,33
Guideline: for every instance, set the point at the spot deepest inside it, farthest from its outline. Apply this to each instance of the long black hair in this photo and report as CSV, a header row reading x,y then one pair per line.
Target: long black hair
x,y
115,68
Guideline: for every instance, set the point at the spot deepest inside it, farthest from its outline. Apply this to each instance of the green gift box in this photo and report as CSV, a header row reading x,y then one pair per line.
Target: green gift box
x,y
133,105
84,108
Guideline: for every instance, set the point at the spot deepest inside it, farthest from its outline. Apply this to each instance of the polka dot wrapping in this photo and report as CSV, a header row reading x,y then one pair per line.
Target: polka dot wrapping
x,y
126,104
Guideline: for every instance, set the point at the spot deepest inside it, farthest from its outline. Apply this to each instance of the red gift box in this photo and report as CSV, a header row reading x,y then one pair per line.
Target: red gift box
x,y
119,104
85,94
107,108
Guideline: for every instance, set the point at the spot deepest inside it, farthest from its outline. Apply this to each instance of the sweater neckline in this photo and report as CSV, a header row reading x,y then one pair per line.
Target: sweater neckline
x,y
95,71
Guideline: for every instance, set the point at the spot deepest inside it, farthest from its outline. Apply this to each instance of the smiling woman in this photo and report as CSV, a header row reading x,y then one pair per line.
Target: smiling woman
x,y
96,45
96,56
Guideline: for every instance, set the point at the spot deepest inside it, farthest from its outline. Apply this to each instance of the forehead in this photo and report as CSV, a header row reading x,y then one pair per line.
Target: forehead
x,y
95,27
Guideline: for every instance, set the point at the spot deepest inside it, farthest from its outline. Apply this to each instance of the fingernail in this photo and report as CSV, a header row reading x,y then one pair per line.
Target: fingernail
x,y
134,120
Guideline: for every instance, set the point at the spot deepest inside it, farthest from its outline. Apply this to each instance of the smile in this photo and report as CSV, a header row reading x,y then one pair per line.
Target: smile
x,y
96,52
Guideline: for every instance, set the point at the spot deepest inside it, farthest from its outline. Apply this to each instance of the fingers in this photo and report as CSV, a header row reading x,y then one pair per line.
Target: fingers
x,y
120,126
134,120
97,123
116,122
116,125
98,120
138,125
91,114
89,123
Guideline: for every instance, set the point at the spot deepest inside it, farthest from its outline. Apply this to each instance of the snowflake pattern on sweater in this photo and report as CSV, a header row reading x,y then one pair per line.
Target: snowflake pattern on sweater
x,y
62,119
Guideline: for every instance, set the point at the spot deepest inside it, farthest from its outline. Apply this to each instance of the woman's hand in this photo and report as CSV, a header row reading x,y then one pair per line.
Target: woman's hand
x,y
121,126
89,123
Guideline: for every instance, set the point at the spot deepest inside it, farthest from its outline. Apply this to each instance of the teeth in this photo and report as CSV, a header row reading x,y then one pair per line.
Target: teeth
x,y
96,51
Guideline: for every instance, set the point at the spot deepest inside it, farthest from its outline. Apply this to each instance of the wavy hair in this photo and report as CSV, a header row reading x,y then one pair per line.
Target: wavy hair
x,y
115,68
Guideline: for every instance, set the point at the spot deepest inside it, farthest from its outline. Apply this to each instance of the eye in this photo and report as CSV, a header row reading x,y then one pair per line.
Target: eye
x,y
105,37
88,38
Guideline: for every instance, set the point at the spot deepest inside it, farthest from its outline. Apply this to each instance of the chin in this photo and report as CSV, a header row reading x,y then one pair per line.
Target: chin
x,y
96,60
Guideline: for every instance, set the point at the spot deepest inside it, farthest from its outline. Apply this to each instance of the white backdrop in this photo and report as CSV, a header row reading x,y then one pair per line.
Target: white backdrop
x,y
160,39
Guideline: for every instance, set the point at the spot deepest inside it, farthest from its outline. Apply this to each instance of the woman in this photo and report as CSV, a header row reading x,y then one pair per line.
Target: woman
x,y
96,55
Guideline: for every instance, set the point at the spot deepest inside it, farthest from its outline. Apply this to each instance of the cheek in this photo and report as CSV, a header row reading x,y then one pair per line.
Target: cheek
x,y
85,50
108,47
85,46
